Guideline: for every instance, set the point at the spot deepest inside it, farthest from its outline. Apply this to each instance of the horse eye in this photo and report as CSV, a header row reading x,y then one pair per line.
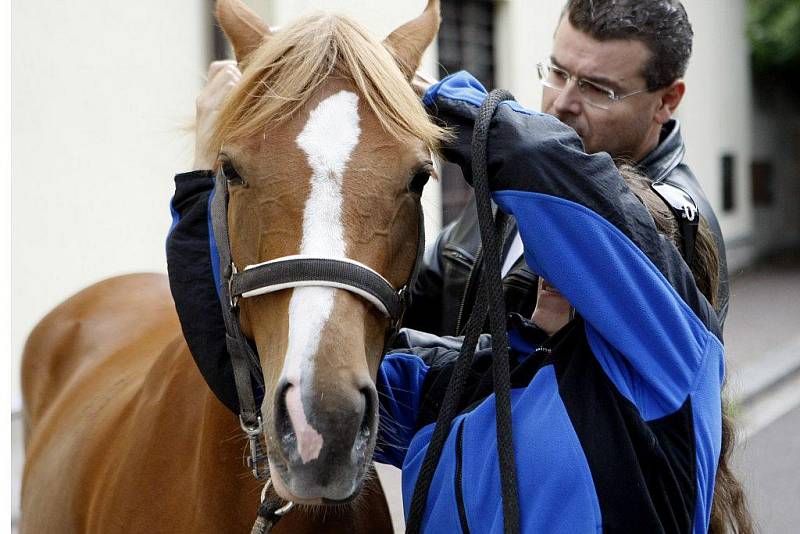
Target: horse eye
x,y
419,180
231,175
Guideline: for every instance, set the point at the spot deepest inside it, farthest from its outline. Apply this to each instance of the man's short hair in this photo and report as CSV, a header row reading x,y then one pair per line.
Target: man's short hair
x,y
661,25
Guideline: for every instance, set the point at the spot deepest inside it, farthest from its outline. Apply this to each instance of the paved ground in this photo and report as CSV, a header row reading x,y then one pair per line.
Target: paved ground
x,y
768,464
762,333
762,339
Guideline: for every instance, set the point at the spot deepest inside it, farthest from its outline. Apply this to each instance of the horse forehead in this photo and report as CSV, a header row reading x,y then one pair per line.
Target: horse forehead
x,y
337,132
331,132
341,136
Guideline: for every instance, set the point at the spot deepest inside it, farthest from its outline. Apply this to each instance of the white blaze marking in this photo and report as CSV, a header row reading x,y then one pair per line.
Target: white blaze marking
x,y
309,441
328,139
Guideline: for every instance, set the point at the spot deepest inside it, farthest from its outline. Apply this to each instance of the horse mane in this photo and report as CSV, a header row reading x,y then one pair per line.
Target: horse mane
x,y
281,75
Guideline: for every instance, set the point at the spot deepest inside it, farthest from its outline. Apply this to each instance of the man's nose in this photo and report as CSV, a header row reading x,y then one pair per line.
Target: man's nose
x,y
569,100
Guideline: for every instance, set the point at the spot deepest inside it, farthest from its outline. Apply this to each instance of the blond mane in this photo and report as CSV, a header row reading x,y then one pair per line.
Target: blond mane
x,y
285,71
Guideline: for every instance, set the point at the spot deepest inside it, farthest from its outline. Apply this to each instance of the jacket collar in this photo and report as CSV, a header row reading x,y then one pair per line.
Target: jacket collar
x,y
667,155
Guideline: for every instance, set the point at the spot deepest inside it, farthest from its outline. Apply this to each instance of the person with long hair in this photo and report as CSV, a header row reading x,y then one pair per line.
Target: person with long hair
x,y
615,74
617,377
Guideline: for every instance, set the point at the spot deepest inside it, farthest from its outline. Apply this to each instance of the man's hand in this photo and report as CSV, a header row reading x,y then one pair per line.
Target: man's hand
x,y
222,77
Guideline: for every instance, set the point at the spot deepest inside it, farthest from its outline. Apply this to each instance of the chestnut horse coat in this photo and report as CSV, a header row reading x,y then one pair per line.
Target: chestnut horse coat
x,y
123,434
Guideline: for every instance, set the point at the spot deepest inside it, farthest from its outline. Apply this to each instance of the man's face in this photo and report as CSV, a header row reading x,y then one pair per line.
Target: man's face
x,y
630,127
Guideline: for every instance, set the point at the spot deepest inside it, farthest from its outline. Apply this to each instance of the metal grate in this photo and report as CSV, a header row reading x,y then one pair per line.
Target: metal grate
x,y
466,39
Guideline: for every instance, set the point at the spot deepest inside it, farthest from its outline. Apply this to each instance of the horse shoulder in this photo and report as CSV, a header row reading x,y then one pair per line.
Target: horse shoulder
x,y
85,329
83,366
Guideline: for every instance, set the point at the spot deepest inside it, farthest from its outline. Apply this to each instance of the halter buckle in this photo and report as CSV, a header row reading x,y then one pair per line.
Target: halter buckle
x,y
257,461
232,299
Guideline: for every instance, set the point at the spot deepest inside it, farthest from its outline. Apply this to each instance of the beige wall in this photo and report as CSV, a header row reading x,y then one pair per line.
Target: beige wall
x,y
100,94
717,115
524,34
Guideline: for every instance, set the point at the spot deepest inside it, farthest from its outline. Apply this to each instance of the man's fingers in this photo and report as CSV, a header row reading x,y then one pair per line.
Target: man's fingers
x,y
225,78
217,66
225,75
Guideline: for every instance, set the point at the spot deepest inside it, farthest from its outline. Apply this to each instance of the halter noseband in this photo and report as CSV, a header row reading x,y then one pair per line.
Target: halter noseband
x,y
307,271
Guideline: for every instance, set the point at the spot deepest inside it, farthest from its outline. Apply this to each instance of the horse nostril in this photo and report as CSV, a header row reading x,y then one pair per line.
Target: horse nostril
x,y
368,419
370,402
283,424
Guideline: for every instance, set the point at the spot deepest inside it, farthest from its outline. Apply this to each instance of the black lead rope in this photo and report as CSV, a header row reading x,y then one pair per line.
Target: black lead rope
x,y
270,511
289,272
489,300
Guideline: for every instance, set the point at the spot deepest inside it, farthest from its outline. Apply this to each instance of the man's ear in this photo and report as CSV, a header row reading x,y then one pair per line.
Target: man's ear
x,y
670,100
408,42
244,28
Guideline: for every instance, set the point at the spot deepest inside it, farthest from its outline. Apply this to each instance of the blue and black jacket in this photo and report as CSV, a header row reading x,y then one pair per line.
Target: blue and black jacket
x,y
617,418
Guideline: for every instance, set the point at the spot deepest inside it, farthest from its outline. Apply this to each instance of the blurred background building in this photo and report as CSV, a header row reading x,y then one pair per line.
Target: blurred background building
x,y
103,101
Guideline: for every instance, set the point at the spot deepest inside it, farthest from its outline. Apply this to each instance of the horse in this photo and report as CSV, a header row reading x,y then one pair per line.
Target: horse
x,y
325,136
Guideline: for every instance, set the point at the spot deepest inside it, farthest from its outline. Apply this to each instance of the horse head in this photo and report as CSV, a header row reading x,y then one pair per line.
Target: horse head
x,y
323,144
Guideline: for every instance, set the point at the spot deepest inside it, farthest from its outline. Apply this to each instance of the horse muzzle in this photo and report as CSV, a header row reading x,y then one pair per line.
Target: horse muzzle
x,y
323,441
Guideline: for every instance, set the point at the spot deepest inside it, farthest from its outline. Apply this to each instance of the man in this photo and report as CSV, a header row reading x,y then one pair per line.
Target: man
x,y
615,76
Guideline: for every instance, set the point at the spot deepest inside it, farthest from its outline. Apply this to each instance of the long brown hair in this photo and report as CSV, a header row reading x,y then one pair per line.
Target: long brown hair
x,y
729,511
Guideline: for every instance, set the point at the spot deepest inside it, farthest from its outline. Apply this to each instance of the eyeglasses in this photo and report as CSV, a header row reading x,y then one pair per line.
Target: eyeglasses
x,y
593,94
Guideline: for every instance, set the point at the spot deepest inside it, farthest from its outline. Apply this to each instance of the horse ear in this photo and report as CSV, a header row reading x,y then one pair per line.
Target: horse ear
x,y
242,25
409,41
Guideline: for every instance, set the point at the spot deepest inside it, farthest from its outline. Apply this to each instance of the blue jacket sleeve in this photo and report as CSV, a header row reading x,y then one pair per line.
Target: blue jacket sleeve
x,y
586,233
192,264
400,380
188,204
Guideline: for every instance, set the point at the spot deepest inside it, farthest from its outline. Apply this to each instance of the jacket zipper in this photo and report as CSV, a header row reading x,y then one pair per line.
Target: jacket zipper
x,y
459,257
462,512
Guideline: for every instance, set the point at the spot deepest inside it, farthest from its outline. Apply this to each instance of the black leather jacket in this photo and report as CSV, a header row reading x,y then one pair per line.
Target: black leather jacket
x,y
438,295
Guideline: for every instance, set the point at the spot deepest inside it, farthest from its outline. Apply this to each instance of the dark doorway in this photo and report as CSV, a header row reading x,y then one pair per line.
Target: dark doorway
x,y
466,41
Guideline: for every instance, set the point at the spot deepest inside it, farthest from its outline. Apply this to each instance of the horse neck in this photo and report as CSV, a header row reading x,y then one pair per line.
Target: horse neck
x,y
199,449
196,438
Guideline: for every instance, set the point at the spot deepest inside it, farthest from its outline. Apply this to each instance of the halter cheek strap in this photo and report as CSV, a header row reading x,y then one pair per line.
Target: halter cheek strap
x,y
243,359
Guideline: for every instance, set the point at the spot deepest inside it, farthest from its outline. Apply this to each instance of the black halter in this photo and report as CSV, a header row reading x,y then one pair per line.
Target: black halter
x,y
285,273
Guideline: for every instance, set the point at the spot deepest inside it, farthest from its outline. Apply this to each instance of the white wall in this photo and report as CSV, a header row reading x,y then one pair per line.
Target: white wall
x,y
524,36
101,93
717,115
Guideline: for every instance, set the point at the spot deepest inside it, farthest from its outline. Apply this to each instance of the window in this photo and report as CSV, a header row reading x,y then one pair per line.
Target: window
x,y
466,41
728,183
